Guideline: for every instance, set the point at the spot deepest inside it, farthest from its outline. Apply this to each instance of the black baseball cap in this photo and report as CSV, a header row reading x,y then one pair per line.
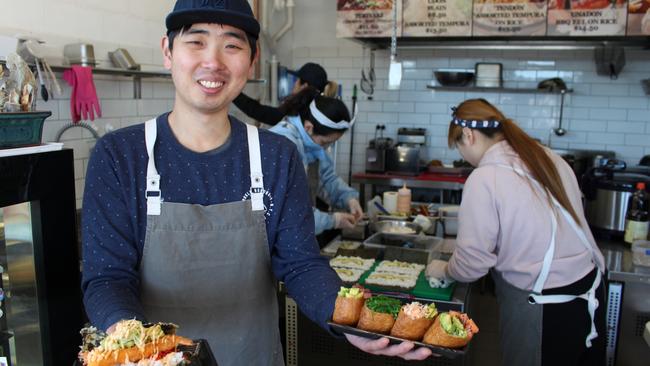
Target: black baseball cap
x,y
313,74
236,13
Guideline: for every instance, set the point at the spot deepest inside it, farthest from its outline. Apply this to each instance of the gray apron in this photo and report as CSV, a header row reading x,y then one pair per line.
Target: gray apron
x,y
520,316
207,269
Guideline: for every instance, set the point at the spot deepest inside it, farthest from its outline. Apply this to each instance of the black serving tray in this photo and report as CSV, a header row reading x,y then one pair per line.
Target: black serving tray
x,y
199,354
442,351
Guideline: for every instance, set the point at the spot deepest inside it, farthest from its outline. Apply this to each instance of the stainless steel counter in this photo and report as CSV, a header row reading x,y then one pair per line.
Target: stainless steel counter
x,y
628,305
618,258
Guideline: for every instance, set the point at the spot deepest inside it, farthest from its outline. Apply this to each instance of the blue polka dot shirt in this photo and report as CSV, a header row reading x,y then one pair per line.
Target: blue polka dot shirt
x,y
115,214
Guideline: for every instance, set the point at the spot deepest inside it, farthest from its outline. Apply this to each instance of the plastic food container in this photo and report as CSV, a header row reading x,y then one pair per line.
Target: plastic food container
x,y
641,253
21,128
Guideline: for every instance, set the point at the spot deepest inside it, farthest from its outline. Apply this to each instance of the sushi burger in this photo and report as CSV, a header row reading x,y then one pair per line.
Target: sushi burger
x,y
133,343
451,329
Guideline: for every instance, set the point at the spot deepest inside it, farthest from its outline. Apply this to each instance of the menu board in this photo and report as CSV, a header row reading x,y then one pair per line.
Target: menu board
x,y
493,18
437,18
367,18
587,17
638,18
509,18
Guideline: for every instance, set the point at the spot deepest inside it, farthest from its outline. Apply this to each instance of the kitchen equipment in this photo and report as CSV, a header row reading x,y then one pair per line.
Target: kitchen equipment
x,y
454,77
367,85
403,159
607,190
610,60
54,87
395,68
122,59
560,131
381,208
628,308
488,75
582,160
42,312
397,227
645,161
407,156
44,94
552,85
376,151
79,54
354,112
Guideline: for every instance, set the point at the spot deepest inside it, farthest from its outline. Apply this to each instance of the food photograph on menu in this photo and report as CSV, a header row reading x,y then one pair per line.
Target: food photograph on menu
x,y
366,18
587,17
437,18
509,18
638,18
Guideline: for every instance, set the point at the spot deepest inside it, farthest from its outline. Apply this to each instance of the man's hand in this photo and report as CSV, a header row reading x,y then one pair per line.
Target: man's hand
x,y
382,347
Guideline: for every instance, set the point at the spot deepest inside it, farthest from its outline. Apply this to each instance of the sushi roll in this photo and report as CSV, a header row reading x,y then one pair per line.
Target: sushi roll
x,y
451,330
378,314
413,321
347,307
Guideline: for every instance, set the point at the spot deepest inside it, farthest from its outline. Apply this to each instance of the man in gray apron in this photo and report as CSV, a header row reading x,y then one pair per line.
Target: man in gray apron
x,y
186,221
190,217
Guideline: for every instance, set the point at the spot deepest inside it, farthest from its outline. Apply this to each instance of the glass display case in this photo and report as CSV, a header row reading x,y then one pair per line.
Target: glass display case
x,y
40,302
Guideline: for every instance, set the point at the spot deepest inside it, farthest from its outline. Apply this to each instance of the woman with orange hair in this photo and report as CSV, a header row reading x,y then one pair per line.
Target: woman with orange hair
x,y
521,216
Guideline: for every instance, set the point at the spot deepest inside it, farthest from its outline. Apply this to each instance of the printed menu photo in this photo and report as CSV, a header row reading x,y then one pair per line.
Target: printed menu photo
x,y
638,18
437,18
509,18
587,17
367,18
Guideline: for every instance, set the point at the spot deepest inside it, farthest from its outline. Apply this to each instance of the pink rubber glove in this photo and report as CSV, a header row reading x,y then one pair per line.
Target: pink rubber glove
x,y
83,101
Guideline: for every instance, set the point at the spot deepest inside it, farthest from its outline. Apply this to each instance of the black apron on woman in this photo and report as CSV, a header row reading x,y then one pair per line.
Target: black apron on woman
x,y
570,335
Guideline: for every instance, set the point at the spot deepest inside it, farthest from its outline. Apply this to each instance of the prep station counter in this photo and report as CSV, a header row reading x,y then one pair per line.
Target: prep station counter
x,y
308,344
628,306
425,180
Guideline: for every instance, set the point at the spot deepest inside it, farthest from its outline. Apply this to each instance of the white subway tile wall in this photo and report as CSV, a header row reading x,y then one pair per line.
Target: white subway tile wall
x,y
601,113
119,109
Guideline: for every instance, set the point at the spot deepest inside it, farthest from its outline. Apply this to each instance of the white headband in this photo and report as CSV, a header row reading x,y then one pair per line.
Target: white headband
x,y
323,120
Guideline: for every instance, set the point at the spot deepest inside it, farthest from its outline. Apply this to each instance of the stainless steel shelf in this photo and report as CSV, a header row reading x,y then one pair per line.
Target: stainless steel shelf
x,y
508,43
495,90
137,75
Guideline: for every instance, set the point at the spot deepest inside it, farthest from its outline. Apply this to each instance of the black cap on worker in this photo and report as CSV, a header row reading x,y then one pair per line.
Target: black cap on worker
x,y
236,13
313,74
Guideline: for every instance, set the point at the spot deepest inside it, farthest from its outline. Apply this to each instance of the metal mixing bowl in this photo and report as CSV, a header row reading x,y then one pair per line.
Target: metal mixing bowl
x,y
453,78
397,227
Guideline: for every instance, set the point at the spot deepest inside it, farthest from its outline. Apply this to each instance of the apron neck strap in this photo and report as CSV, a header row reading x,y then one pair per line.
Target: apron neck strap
x,y
257,178
152,192
548,257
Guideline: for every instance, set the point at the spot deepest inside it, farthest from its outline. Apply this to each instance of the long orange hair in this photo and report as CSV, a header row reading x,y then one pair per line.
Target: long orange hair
x,y
532,154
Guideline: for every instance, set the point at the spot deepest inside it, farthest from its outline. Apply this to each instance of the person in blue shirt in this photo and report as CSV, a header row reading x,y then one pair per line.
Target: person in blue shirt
x,y
191,217
320,122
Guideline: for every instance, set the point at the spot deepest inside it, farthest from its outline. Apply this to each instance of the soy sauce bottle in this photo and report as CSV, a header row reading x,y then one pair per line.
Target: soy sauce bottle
x,y
637,219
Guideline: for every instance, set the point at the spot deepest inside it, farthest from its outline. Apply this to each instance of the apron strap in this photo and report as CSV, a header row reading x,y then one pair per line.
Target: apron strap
x,y
548,258
589,296
152,192
257,178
